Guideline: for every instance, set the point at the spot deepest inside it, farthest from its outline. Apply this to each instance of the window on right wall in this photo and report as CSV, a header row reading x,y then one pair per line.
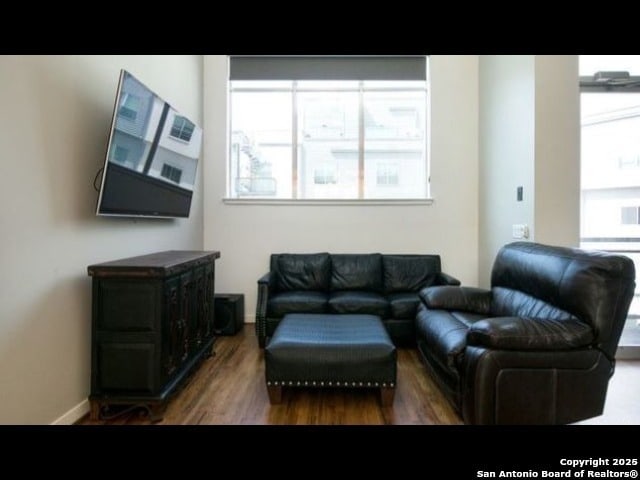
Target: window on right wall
x,y
335,128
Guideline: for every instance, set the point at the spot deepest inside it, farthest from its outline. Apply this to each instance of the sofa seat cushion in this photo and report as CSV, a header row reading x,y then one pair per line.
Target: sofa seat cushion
x,y
409,273
297,302
308,272
444,335
356,272
358,302
403,305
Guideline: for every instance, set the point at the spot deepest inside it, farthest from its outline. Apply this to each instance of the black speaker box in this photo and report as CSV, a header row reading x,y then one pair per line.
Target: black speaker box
x,y
229,314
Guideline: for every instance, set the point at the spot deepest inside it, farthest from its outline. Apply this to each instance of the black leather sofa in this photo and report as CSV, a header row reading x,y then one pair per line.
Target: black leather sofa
x,y
539,346
375,284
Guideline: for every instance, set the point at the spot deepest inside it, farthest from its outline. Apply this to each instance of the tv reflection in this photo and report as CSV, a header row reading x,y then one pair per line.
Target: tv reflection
x,y
153,155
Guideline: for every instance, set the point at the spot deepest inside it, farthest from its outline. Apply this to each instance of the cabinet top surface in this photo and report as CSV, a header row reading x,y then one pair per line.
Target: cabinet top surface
x,y
160,261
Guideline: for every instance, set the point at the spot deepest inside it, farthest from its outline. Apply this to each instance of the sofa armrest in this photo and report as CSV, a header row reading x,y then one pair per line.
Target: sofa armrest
x,y
264,289
465,299
266,279
519,333
445,279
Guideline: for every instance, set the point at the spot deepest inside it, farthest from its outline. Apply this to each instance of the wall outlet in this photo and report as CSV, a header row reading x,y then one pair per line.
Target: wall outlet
x,y
520,231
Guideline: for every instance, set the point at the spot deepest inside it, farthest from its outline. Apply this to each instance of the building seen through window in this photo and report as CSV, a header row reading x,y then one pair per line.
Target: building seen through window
x,y
328,139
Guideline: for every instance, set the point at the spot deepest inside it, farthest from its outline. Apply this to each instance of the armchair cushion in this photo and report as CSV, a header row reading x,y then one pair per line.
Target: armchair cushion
x,y
409,273
518,333
356,272
595,287
507,302
464,299
299,272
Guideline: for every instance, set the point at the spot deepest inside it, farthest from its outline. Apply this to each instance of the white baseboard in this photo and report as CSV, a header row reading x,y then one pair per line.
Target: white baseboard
x,y
73,415
250,319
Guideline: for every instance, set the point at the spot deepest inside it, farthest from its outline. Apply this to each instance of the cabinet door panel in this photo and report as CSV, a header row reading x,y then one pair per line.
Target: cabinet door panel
x,y
198,318
187,314
128,305
208,308
126,367
171,324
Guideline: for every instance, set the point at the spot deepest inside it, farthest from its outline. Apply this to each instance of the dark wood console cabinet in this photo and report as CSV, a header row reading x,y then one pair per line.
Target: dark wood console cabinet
x,y
152,323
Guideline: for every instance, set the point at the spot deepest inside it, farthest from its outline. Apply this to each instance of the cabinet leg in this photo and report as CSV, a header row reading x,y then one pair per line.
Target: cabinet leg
x,y
386,396
94,411
275,394
156,412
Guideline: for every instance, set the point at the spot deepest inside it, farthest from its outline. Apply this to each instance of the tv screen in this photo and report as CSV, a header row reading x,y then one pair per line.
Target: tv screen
x,y
152,156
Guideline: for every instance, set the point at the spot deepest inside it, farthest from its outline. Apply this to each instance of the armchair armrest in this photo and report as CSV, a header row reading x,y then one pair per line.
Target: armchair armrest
x,y
465,299
520,333
445,279
265,286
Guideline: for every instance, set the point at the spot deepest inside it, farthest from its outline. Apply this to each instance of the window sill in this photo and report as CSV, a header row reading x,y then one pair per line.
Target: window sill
x,y
326,202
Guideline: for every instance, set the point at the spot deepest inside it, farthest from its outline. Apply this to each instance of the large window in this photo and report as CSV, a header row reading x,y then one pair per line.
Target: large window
x,y
335,138
610,168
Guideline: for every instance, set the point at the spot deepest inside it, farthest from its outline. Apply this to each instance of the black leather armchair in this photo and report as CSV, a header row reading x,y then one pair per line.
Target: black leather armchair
x,y
539,346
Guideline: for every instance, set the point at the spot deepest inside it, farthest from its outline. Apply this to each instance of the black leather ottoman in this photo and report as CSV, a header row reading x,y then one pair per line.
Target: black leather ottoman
x,y
324,350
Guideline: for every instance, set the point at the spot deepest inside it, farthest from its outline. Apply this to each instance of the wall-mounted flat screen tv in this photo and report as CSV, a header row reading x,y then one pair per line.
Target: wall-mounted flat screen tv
x,y
152,156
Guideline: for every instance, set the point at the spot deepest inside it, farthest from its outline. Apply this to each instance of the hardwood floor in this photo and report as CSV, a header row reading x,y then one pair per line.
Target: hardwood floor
x,y
229,389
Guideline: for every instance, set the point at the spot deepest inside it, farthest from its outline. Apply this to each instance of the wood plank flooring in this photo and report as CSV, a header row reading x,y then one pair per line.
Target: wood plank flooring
x,y
229,389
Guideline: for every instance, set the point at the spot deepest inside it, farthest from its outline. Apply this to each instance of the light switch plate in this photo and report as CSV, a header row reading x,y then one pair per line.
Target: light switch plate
x,y
520,231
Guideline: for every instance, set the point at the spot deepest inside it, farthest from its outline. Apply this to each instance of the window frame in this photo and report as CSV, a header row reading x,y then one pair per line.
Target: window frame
x,y
186,125
386,166
630,211
118,151
361,90
125,111
168,171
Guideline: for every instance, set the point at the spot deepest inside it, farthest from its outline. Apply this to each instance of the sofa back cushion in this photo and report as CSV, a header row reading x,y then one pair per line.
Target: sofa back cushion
x,y
302,272
356,272
409,273
595,287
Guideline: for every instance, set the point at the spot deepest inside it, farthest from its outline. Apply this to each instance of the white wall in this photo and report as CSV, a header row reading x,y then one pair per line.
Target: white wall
x,y
557,168
530,137
507,105
54,122
247,234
